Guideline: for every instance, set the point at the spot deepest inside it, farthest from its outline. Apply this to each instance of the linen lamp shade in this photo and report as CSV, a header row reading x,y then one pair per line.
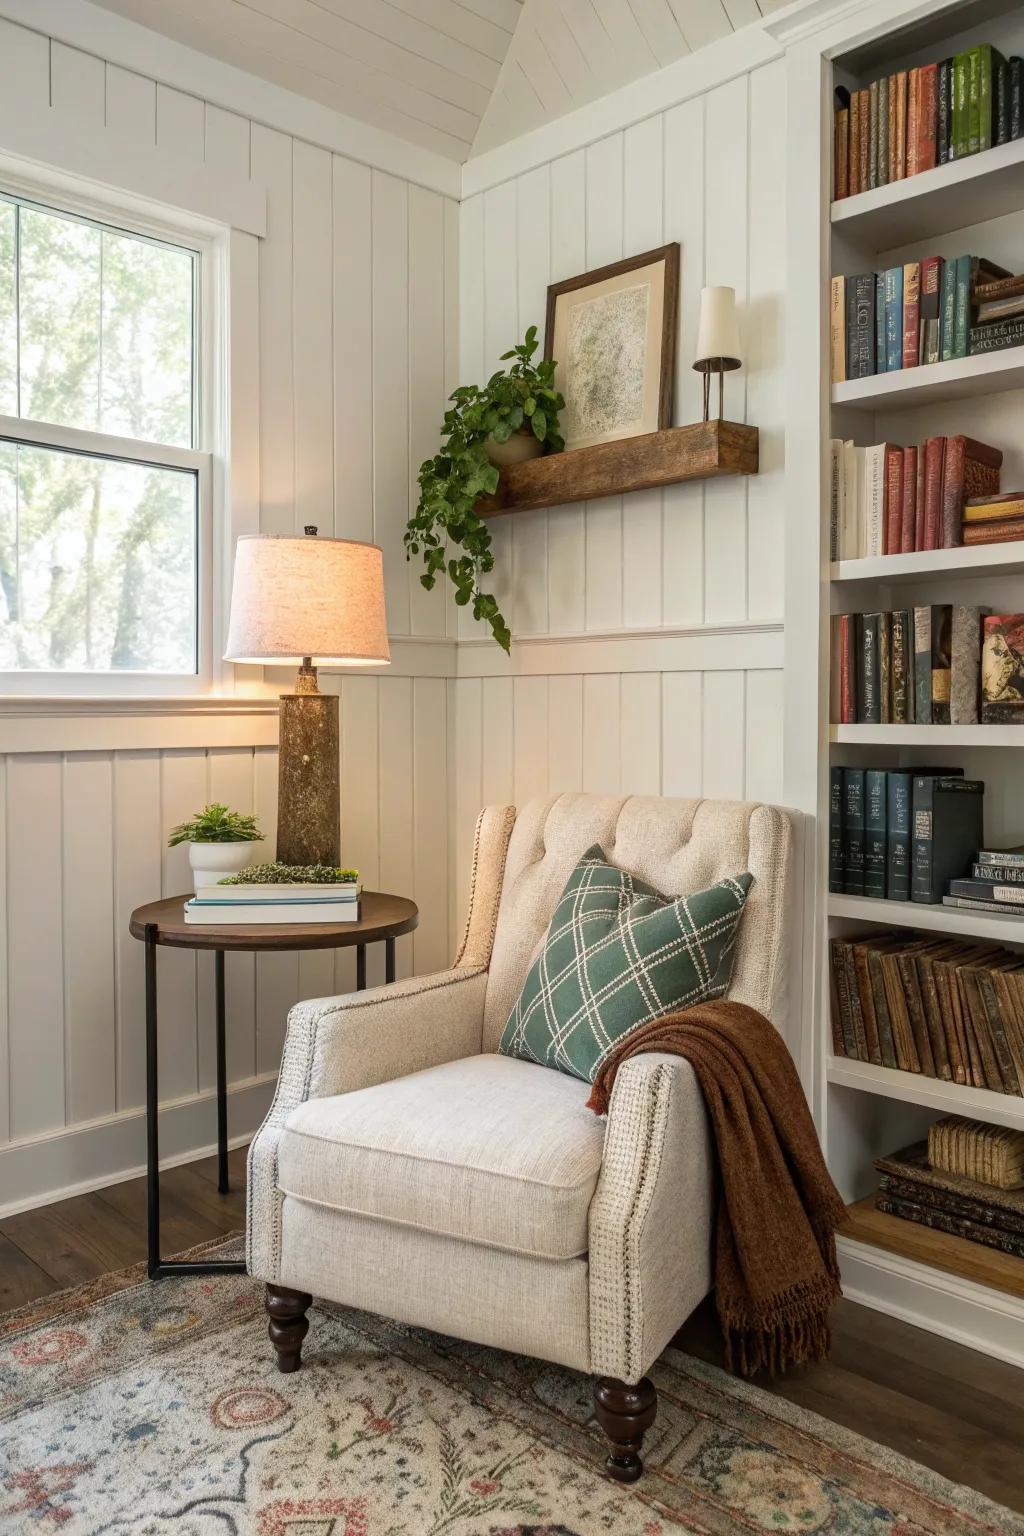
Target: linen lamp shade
x,y
295,597
718,336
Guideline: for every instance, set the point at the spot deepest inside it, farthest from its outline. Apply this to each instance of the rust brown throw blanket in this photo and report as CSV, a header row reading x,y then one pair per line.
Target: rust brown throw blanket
x,y
775,1269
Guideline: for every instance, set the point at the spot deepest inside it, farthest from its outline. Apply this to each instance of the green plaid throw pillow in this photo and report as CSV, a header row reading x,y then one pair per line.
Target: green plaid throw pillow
x,y
617,954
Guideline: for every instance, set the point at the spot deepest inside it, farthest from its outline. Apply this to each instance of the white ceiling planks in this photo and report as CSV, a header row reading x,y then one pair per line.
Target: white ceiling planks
x,y
454,76
424,69
618,41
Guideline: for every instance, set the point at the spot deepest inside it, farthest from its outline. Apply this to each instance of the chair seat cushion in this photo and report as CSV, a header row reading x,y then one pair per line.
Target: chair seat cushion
x,y
616,955
488,1149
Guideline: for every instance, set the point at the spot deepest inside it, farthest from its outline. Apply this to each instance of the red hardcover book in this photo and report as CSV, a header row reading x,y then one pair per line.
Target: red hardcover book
x,y
1008,531
891,167
893,533
911,313
968,464
927,115
934,454
863,175
913,115
919,500
901,124
847,670
853,170
909,507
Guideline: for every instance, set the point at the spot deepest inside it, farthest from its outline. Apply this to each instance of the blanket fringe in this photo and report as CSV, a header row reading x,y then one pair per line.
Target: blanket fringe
x,y
779,1346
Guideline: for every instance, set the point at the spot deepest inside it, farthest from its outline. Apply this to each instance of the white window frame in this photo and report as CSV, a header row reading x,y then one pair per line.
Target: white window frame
x,y
211,246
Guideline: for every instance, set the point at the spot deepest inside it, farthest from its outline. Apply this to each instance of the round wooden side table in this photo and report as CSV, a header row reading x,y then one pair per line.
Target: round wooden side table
x,y
381,918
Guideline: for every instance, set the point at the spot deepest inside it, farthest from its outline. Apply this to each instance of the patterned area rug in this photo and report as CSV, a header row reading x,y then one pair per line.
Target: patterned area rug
x,y
152,1409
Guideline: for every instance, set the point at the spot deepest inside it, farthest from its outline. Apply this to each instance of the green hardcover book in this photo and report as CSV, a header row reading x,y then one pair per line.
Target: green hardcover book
x,y
959,141
875,848
947,310
962,306
973,100
988,64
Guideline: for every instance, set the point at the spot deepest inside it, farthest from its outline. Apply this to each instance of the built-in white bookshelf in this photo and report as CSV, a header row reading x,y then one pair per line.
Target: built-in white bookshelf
x,y
977,206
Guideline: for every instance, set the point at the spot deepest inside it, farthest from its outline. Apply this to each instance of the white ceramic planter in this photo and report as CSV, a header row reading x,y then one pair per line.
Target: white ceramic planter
x,y
522,445
210,862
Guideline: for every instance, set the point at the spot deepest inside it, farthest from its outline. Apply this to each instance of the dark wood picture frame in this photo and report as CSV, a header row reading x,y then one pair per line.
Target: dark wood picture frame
x,y
669,254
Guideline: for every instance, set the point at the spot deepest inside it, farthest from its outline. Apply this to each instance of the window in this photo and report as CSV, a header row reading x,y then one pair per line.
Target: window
x,y
103,484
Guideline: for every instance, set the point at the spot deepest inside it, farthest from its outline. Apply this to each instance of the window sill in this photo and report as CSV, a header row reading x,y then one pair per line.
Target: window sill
x,y
87,724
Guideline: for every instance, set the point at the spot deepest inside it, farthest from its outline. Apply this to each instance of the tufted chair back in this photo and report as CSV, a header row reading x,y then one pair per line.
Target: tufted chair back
x,y
676,846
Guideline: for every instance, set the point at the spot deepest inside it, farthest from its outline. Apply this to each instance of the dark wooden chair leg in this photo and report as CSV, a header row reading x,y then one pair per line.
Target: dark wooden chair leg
x,y
625,1413
288,1324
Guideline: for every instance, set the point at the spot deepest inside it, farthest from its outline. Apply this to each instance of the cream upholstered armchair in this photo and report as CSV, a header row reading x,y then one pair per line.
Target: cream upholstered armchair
x,y
407,1169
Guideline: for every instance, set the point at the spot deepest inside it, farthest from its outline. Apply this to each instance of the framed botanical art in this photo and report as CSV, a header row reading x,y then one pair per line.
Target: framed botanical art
x,y
613,332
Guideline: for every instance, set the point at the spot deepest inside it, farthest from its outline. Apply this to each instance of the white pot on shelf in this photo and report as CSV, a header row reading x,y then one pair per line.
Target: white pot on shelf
x,y
210,862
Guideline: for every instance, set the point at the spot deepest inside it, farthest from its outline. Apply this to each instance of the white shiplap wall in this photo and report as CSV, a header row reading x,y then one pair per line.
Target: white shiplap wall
x,y
688,564
343,385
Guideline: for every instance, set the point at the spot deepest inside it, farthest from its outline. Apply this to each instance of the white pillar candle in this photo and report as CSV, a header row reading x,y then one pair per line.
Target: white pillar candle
x,y
718,334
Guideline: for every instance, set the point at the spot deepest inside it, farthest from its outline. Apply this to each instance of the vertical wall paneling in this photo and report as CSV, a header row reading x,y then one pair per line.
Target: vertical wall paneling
x,y
763,739
183,791
465,770
567,526
501,331
353,350
604,222
426,379
312,340
226,140
723,742
431,947
271,155
139,836
565,734
530,722
391,389
87,822
682,714
601,739
26,66
530,529
35,960
131,105
231,778
360,799
497,752
763,342
395,792
640,734
725,261
180,124
77,84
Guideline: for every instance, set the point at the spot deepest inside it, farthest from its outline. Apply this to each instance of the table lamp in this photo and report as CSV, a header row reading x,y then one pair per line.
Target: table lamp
x,y
718,340
305,600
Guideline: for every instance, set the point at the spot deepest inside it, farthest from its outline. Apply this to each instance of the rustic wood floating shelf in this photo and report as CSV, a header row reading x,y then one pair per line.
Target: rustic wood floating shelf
x,y
699,452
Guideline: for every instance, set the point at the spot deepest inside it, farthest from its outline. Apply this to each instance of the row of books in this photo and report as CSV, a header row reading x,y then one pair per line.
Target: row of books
x,y
890,500
937,664
920,312
902,833
913,1188
945,1008
245,904
919,118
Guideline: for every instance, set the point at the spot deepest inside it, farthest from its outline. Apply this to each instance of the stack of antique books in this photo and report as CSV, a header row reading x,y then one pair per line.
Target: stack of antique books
x,y
967,1179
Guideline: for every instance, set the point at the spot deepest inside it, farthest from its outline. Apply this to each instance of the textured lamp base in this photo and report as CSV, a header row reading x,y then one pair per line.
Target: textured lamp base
x,y
308,795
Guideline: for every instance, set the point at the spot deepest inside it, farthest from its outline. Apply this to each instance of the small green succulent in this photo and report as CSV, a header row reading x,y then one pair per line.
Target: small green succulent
x,y
291,874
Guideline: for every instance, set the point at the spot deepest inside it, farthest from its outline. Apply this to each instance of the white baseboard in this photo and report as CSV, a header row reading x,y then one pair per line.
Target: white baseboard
x,y
43,1169
958,1309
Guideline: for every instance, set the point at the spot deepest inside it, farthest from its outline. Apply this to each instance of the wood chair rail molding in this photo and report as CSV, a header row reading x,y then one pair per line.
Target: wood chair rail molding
x,y
703,451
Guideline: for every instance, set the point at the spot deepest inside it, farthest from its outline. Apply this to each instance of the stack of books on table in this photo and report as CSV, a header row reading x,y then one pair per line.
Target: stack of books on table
x,y
221,905
995,884
913,1188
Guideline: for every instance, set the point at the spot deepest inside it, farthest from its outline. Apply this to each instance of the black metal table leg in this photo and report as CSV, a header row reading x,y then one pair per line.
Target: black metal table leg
x,y
156,1267
360,967
389,959
152,1129
223,1186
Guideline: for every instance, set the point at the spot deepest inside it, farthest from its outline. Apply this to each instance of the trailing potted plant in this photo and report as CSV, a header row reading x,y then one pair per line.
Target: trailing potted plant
x,y
221,842
513,417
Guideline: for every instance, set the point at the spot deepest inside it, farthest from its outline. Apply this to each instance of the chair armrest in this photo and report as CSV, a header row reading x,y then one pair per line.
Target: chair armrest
x,y
650,1218
336,1044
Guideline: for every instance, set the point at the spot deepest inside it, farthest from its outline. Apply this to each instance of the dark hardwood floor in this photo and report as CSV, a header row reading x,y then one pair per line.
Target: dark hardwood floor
x,y
941,1404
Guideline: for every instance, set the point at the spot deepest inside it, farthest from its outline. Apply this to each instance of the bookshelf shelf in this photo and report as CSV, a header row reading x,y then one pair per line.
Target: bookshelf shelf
x,y
926,564
932,383
938,1250
934,735
933,1093
965,192
922,915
